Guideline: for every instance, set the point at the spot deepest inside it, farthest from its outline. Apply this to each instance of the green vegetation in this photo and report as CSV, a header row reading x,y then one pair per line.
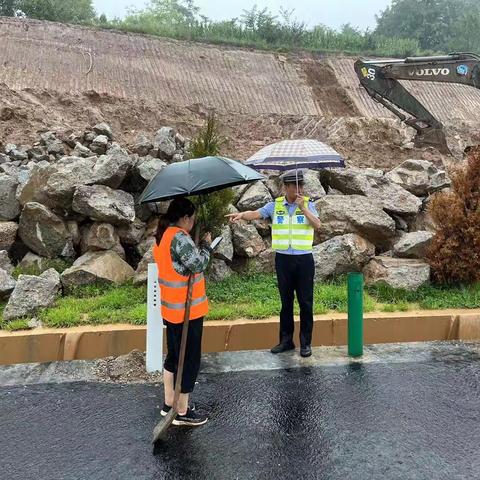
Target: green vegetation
x,y
214,206
253,296
406,27
58,264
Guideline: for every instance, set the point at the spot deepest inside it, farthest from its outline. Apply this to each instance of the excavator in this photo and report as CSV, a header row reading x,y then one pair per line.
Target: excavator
x,y
381,80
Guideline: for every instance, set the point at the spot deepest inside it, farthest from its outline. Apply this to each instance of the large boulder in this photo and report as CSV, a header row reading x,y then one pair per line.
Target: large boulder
x,y
132,234
101,236
246,240
8,233
164,142
9,206
112,168
103,204
419,177
312,185
32,261
52,143
340,255
5,262
144,170
103,128
254,198
342,214
7,283
32,293
407,274
142,145
373,184
99,144
54,184
413,244
225,250
44,232
94,267
263,263
141,273
219,270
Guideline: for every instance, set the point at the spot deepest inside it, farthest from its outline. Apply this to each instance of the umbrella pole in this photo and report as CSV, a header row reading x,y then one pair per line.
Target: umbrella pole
x,y
163,425
296,175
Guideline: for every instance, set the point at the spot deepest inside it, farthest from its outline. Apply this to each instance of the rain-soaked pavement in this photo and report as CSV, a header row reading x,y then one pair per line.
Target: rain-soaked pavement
x,y
403,413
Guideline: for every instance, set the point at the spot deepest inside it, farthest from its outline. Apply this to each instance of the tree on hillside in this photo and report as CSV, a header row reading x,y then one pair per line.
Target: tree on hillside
x,y
175,12
8,7
65,11
208,142
431,22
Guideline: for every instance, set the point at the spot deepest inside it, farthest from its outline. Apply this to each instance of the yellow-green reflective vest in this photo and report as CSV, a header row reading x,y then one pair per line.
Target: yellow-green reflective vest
x,y
290,231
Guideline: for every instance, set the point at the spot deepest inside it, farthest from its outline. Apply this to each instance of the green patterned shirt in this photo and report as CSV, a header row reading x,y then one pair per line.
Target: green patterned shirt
x,y
187,258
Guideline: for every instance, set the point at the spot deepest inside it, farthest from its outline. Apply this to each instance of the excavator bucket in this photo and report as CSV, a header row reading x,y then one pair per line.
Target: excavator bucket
x,y
432,137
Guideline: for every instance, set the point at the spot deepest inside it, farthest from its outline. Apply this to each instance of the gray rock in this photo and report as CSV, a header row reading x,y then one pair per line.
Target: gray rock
x,y
238,191
73,139
33,261
254,198
344,214
8,233
145,169
422,222
312,185
142,145
264,227
99,144
53,185
7,283
103,204
401,273
132,234
38,153
9,206
419,177
34,323
32,293
111,169
263,263
340,255
413,244
82,151
101,236
372,184
94,267
4,158
180,140
5,262
141,273
103,129
164,143
52,143
274,185
246,240
74,230
178,157
15,153
44,232
89,137
219,270
225,250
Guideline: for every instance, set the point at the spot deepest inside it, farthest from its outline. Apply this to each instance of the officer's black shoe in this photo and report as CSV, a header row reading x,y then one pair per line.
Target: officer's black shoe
x,y
306,351
283,347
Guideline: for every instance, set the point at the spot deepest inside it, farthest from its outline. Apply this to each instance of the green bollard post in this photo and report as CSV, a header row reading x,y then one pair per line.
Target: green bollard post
x,y
355,314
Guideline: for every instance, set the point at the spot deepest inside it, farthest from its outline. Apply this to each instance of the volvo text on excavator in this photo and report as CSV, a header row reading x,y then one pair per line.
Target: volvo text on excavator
x,y
380,78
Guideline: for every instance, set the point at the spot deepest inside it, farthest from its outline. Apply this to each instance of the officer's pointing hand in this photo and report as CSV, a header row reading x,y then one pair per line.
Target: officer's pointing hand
x,y
234,217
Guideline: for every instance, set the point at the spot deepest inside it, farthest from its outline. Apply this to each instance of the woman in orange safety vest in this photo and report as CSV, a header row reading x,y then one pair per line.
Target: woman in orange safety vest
x,y
177,258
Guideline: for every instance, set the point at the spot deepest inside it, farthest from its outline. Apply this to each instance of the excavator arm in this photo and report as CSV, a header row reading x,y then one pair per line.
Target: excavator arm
x,y
380,78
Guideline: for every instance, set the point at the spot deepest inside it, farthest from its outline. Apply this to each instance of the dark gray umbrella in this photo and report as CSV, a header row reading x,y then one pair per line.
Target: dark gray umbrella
x,y
197,177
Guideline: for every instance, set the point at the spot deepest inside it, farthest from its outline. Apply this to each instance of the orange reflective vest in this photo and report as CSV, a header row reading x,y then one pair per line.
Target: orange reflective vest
x,y
173,286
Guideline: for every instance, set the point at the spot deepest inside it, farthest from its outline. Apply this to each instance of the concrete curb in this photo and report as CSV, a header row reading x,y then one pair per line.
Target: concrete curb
x,y
91,342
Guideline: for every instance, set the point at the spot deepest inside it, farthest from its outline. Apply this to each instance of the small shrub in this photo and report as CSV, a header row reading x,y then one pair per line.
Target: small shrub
x,y
454,253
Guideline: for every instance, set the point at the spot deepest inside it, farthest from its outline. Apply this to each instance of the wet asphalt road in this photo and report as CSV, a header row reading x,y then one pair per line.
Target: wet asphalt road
x,y
418,420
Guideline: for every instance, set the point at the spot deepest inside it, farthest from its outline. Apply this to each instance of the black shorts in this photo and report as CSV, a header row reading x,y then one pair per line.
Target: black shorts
x,y
192,354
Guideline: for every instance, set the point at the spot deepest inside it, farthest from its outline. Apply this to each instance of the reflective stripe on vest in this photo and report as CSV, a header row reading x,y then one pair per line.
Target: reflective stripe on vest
x,y
291,231
173,286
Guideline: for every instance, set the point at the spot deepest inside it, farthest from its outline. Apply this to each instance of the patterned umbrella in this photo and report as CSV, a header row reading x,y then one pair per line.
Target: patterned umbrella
x,y
289,154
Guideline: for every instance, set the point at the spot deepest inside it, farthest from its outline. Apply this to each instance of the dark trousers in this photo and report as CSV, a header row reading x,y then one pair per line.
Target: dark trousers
x,y
193,352
295,274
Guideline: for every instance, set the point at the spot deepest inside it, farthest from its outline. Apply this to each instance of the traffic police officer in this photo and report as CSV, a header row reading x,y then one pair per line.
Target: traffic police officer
x,y
294,219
